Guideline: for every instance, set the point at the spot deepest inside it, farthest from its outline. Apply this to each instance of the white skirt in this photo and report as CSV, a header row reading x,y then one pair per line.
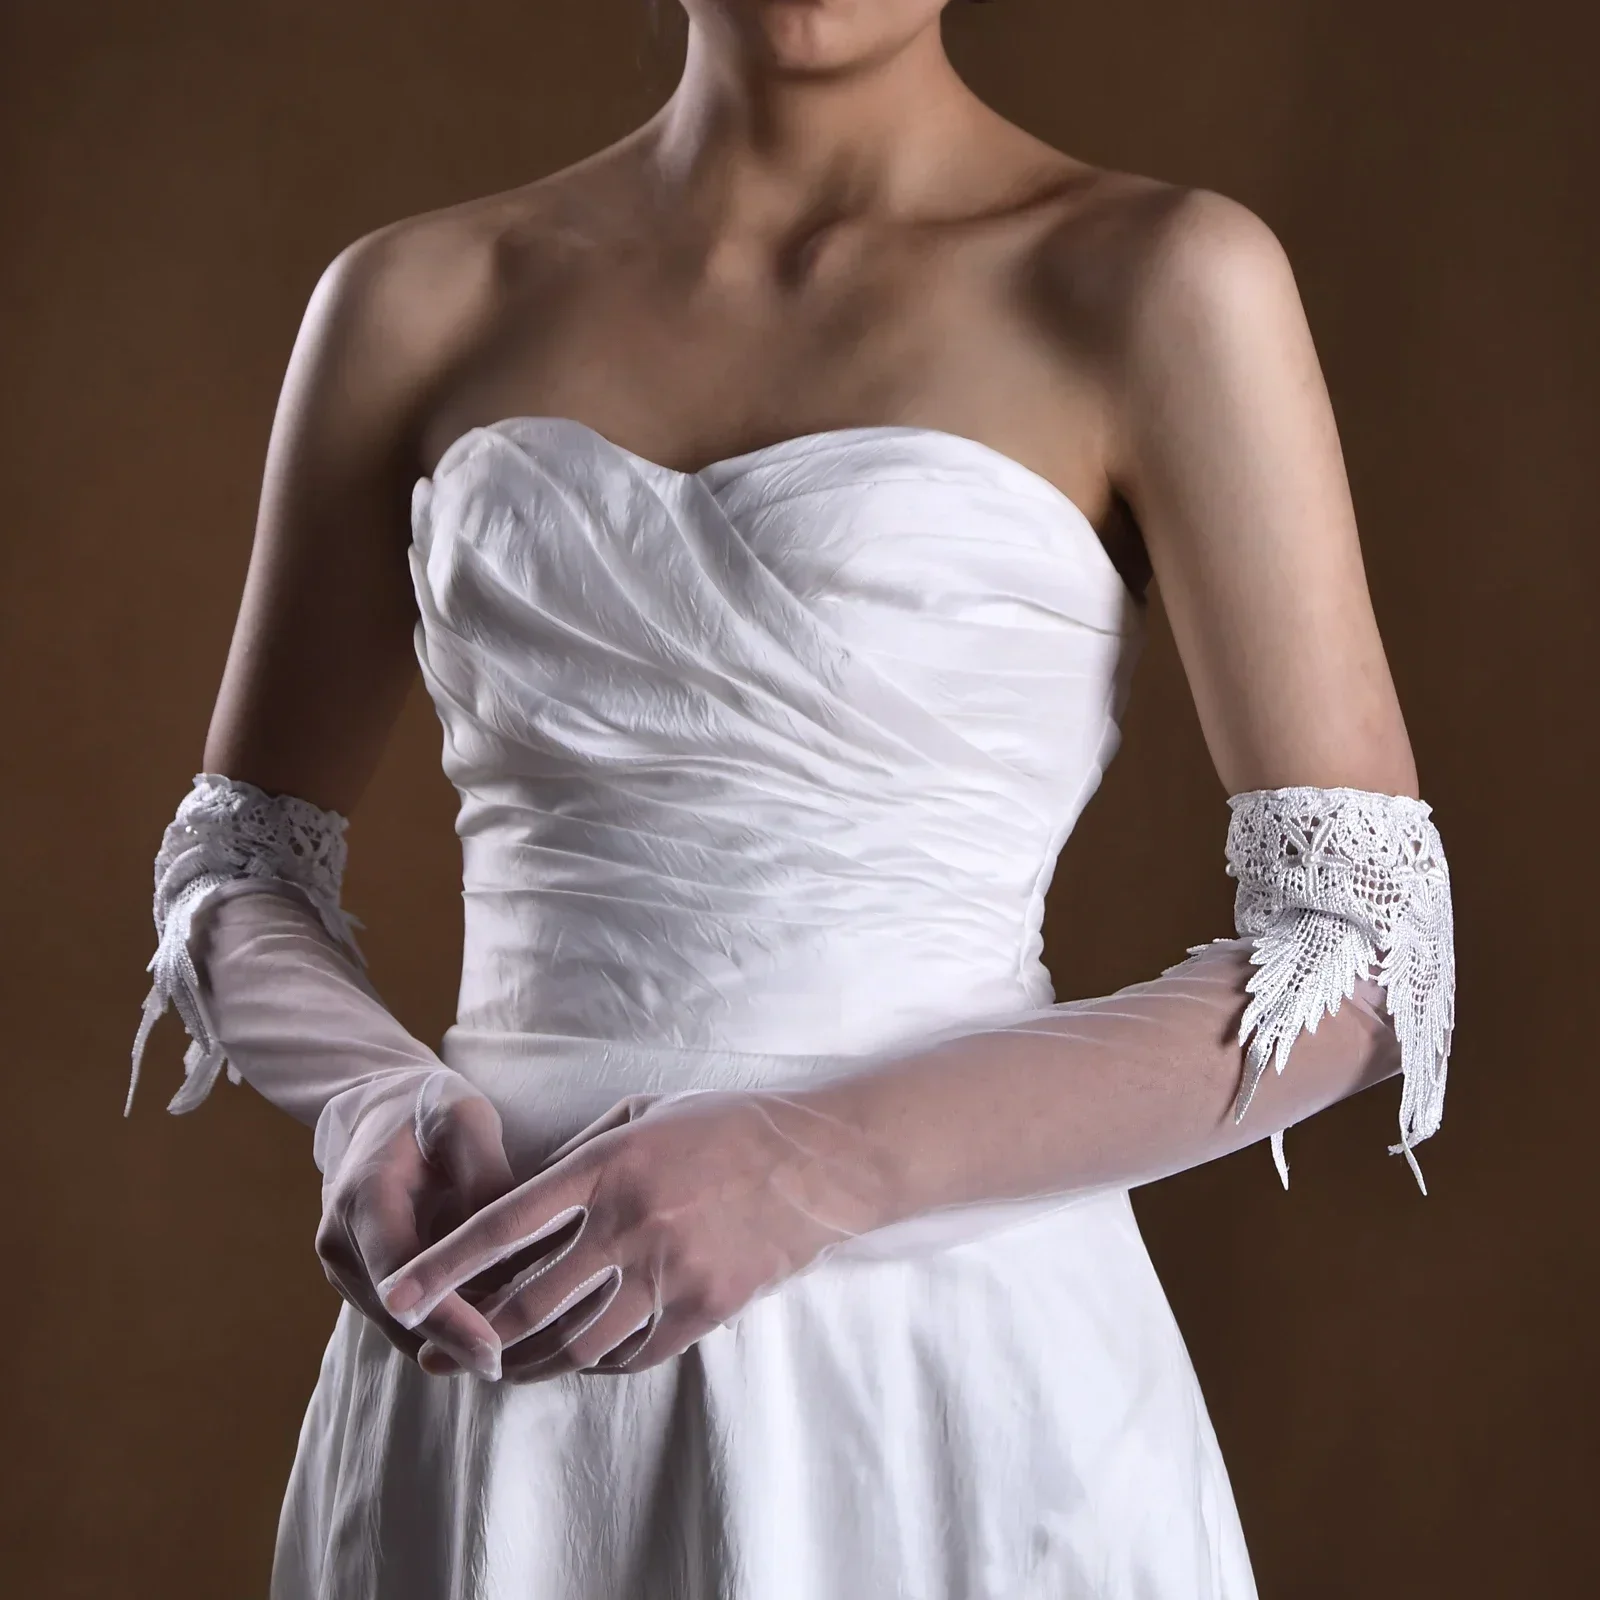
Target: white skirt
x,y
1011,1417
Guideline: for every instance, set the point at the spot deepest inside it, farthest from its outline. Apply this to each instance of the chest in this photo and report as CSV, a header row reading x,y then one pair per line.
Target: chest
x,y
888,601
689,361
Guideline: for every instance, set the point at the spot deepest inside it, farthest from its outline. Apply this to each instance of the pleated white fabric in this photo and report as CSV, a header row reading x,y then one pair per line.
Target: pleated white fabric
x,y
764,768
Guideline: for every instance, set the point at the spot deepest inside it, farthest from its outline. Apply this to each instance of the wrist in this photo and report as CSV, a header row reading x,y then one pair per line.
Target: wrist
x,y
876,1153
392,1098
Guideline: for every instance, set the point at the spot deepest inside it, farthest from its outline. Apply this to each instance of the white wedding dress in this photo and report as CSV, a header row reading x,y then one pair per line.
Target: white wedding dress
x,y
761,768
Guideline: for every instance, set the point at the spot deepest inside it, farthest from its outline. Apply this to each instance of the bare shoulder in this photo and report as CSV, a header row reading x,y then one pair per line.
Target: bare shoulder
x,y
423,265
1134,260
1178,304
393,306
398,309
1168,229
446,263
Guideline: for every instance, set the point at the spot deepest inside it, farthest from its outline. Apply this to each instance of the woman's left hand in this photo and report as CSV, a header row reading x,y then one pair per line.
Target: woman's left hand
x,y
657,1223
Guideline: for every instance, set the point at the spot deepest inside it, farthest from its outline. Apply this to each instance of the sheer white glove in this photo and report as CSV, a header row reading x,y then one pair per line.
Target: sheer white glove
x,y
264,970
669,1214
657,1223
407,1148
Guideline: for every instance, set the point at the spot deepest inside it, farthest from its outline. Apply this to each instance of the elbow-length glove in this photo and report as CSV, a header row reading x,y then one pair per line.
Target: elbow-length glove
x,y
678,1209
261,962
1344,956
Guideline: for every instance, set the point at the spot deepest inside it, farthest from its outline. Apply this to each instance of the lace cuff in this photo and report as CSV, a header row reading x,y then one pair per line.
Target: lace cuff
x,y
1335,885
228,832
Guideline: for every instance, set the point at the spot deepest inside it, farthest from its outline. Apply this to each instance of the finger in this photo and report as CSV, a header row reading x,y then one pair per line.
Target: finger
x,y
562,1343
437,1364
622,1358
541,1297
638,1316
669,1335
532,1212
343,1270
592,1336
590,1326
491,1289
380,1221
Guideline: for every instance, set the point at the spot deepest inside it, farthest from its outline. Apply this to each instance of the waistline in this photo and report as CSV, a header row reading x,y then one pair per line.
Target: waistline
x,y
547,1087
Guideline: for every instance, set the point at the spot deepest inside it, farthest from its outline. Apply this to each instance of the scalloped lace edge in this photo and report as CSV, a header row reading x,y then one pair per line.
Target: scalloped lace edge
x,y
1336,884
225,832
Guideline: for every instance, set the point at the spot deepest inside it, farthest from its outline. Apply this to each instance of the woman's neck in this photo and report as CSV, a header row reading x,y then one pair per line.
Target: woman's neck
x,y
746,150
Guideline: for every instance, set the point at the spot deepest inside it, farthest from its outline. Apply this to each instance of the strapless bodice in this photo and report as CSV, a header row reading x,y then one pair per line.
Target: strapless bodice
x,y
776,756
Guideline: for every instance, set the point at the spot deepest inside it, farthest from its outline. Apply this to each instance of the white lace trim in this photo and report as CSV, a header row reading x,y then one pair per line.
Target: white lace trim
x,y
226,831
1337,884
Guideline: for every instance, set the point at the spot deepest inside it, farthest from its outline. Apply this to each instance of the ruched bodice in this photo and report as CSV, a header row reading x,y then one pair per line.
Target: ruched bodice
x,y
775,756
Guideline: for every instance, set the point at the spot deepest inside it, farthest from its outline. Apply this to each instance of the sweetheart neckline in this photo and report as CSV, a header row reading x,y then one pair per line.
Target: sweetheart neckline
x,y
789,442
1024,474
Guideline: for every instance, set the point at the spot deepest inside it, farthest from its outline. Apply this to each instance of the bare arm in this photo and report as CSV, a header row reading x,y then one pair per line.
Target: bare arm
x,y
1228,454
321,657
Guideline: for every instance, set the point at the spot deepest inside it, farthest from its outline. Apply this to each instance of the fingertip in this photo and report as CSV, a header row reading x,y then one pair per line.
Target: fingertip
x,y
402,1298
435,1362
482,1358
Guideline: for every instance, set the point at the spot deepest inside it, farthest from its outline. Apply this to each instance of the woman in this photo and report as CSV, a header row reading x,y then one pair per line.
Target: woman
x,y
783,482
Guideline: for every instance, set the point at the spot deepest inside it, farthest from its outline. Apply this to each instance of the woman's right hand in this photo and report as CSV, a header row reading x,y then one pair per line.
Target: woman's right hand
x,y
405,1159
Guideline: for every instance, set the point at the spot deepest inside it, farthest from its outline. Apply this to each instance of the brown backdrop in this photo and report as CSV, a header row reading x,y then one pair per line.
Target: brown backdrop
x,y
1404,1387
